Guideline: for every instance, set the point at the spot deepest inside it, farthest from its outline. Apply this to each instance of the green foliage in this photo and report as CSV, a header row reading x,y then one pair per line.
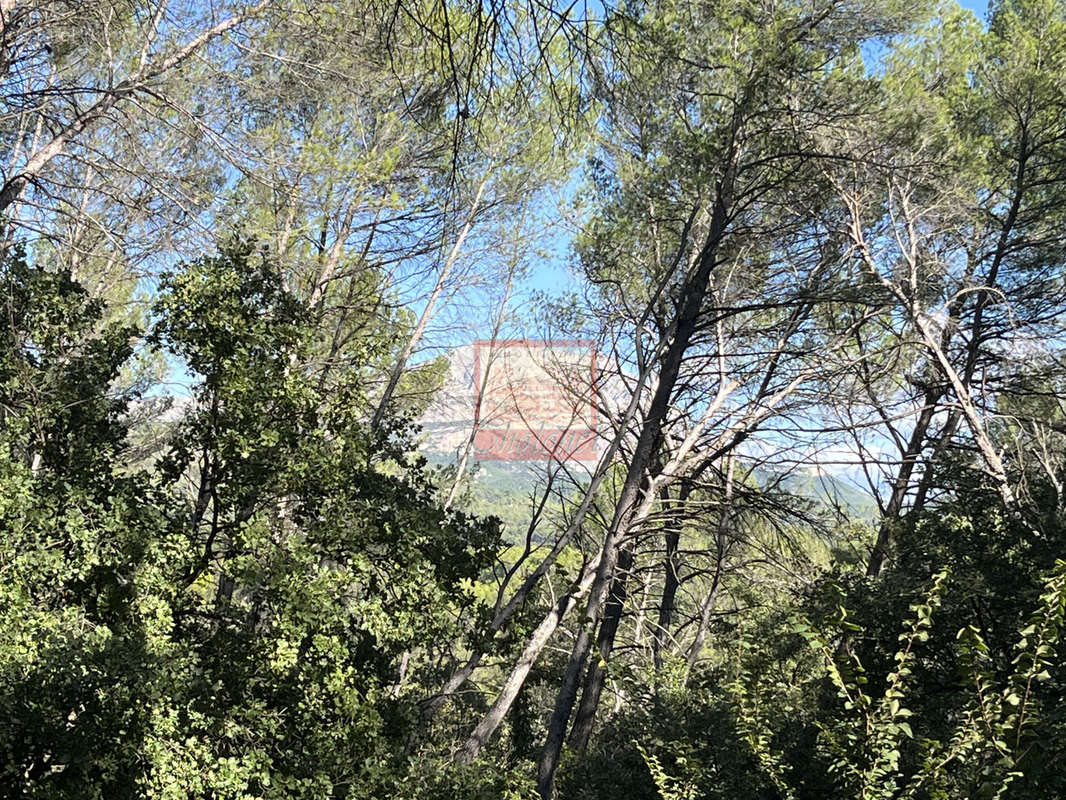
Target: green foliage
x,y
864,746
233,623
1007,723
873,744
685,744
255,600
669,788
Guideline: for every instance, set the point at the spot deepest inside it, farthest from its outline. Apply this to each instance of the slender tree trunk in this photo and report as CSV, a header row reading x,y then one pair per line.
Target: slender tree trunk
x,y
468,445
112,96
427,312
943,440
977,327
331,259
721,541
513,684
890,520
463,673
672,578
7,7
642,610
689,305
518,599
927,328
9,217
564,703
938,348
596,675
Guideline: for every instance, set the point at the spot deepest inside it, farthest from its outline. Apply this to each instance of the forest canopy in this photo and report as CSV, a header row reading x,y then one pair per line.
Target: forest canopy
x,y
817,252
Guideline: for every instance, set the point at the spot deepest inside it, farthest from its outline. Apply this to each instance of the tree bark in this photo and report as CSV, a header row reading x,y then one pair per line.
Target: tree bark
x,y
597,670
672,577
890,520
689,305
513,684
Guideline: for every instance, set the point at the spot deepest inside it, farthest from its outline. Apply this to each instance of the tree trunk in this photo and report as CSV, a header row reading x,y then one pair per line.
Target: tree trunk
x,y
938,349
502,615
720,544
672,578
597,671
111,96
513,684
689,305
468,445
890,520
427,312
6,9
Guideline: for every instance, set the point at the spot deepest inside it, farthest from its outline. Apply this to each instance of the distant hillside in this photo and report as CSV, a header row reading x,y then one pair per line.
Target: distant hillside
x,y
505,490
832,492
503,486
